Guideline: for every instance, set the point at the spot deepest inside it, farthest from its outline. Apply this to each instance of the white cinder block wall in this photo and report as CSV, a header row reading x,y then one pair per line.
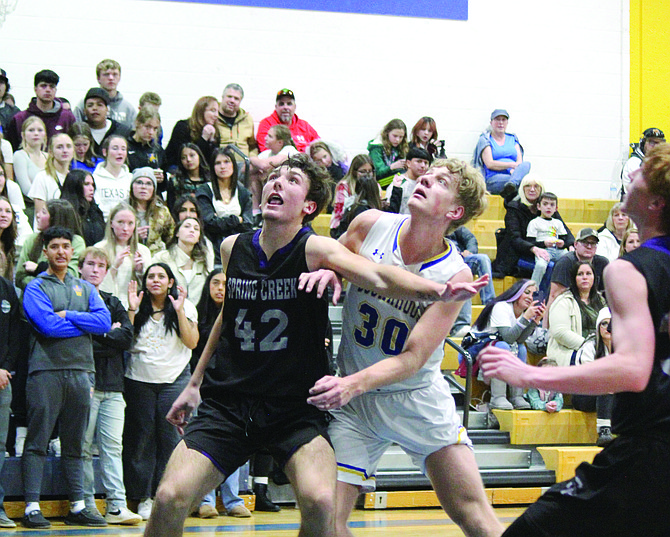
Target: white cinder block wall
x,y
561,70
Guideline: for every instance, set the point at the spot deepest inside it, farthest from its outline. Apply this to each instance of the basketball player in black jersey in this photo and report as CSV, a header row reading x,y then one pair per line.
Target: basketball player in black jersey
x,y
269,346
626,491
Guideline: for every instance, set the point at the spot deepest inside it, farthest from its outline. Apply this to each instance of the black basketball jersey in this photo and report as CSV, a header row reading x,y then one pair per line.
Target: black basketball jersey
x,y
648,413
273,336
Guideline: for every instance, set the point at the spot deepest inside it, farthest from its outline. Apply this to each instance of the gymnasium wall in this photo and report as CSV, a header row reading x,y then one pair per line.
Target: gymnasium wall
x,y
560,68
649,66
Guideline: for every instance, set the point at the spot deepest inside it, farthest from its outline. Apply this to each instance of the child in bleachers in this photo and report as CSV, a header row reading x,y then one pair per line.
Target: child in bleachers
x,y
542,399
388,151
548,233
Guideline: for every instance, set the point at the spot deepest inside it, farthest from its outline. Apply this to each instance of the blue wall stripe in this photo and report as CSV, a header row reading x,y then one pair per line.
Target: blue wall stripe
x,y
446,9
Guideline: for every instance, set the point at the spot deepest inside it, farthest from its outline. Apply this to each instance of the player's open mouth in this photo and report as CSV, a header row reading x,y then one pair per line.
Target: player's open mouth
x,y
275,199
419,193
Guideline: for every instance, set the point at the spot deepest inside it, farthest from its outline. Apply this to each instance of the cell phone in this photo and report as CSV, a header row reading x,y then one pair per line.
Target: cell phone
x,y
538,296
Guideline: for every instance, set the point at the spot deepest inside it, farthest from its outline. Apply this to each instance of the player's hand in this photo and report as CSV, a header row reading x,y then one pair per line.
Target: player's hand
x,y
551,407
330,393
324,278
458,292
183,407
61,314
503,365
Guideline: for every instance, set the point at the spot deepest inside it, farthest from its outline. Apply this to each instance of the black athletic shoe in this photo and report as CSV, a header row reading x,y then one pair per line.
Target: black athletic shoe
x,y
85,517
263,502
35,519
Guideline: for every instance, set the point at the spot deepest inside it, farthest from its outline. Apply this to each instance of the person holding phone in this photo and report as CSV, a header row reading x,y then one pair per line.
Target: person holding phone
x,y
514,315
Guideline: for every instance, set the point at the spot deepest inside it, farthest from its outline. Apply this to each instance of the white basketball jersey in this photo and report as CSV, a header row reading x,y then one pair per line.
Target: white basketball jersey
x,y
375,327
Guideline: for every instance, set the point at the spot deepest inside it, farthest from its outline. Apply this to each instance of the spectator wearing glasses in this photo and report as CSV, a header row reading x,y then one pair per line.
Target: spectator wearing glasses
x,y
586,244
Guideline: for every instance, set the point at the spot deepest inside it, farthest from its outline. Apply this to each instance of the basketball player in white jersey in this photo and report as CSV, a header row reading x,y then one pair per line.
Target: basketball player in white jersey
x,y
269,348
391,389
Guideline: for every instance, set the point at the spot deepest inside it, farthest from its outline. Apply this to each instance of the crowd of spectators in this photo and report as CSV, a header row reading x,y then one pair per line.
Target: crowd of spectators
x,y
90,195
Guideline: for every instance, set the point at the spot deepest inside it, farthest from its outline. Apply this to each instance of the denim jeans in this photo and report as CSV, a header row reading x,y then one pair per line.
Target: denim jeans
x,y
230,489
480,264
106,424
5,401
541,265
497,182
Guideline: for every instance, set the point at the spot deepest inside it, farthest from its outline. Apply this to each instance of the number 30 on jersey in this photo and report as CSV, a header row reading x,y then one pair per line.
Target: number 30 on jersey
x,y
393,334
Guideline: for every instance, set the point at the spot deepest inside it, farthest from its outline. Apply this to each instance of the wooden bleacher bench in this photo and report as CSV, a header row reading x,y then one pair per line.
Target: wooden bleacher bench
x,y
537,427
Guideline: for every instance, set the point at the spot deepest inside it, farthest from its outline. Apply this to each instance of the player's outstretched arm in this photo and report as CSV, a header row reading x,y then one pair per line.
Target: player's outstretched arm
x,y
633,338
393,282
428,334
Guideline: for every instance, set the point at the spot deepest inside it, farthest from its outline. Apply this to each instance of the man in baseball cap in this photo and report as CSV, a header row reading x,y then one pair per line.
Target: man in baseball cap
x,y
586,243
302,132
651,137
96,110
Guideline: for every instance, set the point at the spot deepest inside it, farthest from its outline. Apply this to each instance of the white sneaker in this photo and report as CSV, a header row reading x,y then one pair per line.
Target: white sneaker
x,y
123,515
144,508
462,331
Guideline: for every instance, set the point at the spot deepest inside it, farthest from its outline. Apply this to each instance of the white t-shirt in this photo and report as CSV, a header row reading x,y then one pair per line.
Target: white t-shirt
x,y
287,150
227,209
502,316
45,187
159,357
7,153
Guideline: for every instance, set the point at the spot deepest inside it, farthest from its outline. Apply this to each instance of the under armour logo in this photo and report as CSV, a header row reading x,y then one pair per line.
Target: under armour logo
x,y
377,253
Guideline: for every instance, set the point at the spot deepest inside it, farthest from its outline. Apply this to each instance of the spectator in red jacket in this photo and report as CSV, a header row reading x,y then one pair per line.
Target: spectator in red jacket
x,y
302,132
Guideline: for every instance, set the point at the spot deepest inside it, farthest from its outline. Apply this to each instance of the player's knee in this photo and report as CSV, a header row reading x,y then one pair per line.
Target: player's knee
x,y
172,496
319,503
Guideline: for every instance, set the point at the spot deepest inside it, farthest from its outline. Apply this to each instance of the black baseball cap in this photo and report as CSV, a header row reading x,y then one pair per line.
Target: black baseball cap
x,y
99,93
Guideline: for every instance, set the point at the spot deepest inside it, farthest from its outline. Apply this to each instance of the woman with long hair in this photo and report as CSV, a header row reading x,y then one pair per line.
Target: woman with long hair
x,y
388,151
79,190
7,239
630,241
361,167
155,224
84,154
32,260
192,172
31,158
143,147
112,176
610,236
424,135
513,316
224,202
199,129
366,197
49,182
573,314
187,255
166,330
128,257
